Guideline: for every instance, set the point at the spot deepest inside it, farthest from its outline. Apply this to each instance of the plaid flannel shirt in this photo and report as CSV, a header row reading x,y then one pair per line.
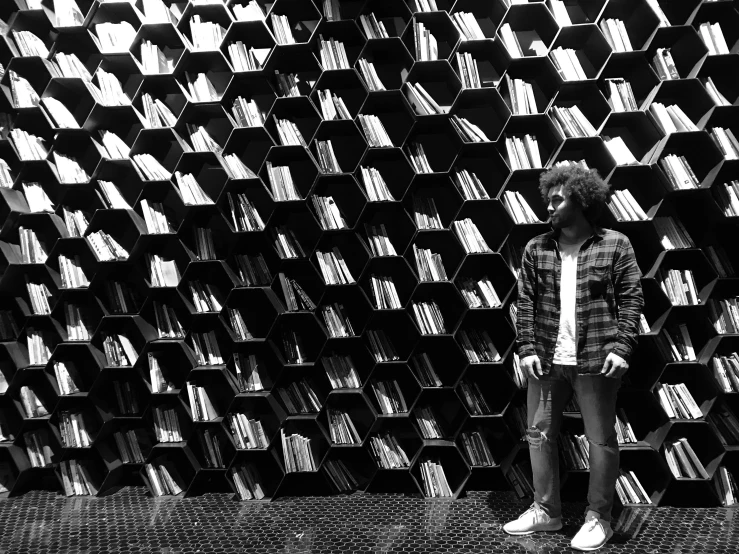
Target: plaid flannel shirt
x,y
609,299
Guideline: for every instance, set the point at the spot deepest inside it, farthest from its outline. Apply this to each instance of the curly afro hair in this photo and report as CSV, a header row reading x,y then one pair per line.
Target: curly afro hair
x,y
584,186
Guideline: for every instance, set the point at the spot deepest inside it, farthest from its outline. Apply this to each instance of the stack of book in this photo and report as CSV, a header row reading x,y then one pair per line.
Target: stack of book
x,y
718,98
156,113
296,299
620,95
624,206
244,214
326,157
571,122
288,133
281,183
510,41
630,490
206,298
624,431
476,449
118,350
245,476
723,482
369,74
523,101
236,169
383,293
21,91
115,148
340,476
726,142
115,37
426,46
332,54
379,242
683,461
239,325
210,444
425,213
421,101
250,373
470,186
724,423
429,318
429,264
713,38
478,346
726,371
201,139
337,322
67,14
415,152
467,25
371,27
38,350
297,453
387,451
293,346
389,396
678,172
374,131
206,35
333,268
427,423
204,244
470,237
728,194
664,65
287,84
670,118
32,405
679,286
328,213
375,185
129,448
299,398
434,480
206,348
247,113
30,45
153,60
474,398
341,371
468,132
167,425
59,113
39,295
616,35
6,178
672,233
200,89
76,479
200,404
519,477
69,170
677,402
248,433
164,480
479,293
122,299
38,200
567,64
519,208
159,384
155,218
424,370
675,344
575,450
109,91
151,168
468,70
38,448
332,10
252,270
333,107
190,191
724,314
381,347
341,427
523,152
281,28
125,398
164,273
73,430
29,147
520,379
251,12
69,66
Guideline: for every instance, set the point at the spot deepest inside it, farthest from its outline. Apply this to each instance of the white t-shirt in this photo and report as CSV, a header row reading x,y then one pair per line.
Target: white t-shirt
x,y
565,351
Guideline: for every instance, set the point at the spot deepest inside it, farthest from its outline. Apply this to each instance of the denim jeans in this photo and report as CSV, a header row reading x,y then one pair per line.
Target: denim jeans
x,y
547,397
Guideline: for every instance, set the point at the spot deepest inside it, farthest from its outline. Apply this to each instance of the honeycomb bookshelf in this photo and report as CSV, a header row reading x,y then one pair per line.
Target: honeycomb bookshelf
x,y
261,302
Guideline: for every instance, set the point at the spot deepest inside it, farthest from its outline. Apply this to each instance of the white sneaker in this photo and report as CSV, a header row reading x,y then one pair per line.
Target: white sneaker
x,y
532,520
592,535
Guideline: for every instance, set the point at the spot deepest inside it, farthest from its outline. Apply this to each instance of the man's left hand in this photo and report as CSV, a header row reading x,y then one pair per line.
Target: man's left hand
x,y
614,366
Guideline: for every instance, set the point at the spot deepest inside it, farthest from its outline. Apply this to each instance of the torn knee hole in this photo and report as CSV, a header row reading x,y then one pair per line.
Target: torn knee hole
x,y
536,437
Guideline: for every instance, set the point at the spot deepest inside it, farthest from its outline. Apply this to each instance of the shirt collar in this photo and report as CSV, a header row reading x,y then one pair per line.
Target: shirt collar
x,y
598,232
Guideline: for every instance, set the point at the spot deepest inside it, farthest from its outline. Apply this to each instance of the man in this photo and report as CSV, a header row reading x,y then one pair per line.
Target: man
x,y
579,303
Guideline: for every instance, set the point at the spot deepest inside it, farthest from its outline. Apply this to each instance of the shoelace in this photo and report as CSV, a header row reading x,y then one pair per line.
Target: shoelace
x,y
538,513
593,522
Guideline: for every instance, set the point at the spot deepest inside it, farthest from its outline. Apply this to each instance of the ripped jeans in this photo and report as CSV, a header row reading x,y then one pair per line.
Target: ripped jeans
x,y
546,400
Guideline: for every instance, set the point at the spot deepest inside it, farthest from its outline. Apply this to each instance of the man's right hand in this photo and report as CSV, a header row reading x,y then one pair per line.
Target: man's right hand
x,y
532,366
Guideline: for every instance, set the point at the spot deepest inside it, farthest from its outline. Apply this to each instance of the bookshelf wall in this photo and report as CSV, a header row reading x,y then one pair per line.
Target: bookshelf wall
x,y
473,393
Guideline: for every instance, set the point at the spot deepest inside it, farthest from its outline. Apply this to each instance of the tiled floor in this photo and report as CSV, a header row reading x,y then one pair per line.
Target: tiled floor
x,y
131,522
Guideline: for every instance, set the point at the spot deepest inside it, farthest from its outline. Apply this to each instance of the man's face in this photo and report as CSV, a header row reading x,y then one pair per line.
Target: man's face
x,y
561,209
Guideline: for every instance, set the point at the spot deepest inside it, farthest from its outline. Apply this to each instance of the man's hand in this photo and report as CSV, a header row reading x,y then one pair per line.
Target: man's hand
x,y
614,366
532,366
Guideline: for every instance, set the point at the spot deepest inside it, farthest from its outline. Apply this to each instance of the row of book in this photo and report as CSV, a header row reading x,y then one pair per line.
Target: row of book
x,y
679,286
677,401
683,461
724,314
726,371
674,344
